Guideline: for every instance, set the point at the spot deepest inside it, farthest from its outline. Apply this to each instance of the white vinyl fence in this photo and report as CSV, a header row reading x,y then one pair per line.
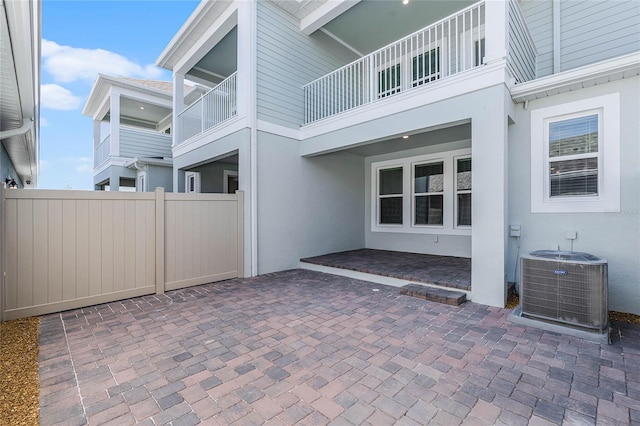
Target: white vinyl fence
x,y
70,249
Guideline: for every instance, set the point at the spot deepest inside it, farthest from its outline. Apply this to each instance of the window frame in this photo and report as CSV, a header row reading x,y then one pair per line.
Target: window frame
x,y
415,194
608,198
378,214
141,182
456,192
408,196
196,181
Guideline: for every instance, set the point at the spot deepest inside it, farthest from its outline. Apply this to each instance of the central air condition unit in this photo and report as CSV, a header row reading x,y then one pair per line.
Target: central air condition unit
x,y
566,287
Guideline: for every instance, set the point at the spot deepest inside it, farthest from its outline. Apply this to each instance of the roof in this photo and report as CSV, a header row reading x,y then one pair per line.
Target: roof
x,y
165,86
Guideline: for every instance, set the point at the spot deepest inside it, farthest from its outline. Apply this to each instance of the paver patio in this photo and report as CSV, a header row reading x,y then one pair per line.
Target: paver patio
x,y
312,348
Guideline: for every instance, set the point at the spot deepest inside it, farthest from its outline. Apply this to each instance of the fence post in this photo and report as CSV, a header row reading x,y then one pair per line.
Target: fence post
x,y
160,243
240,236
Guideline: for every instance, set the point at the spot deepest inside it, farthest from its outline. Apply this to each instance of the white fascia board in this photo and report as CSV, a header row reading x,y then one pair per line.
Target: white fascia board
x,y
212,36
111,161
96,97
166,59
166,100
324,14
605,71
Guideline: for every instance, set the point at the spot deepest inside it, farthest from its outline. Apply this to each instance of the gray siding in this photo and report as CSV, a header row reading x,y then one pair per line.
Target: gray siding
x,y
539,17
134,143
288,59
590,31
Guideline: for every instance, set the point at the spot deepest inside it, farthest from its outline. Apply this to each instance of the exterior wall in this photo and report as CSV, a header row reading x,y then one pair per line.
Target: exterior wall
x,y
287,60
446,245
144,143
306,206
6,167
212,176
159,176
113,172
613,236
584,32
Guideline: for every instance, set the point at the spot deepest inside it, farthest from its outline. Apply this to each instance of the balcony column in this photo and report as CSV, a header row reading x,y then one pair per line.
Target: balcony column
x,y
496,30
114,124
178,106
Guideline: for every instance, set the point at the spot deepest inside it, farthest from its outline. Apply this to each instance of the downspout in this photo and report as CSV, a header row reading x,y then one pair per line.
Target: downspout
x,y
254,142
27,124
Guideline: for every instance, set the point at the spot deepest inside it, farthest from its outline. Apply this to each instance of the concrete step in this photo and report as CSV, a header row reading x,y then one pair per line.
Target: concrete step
x,y
439,295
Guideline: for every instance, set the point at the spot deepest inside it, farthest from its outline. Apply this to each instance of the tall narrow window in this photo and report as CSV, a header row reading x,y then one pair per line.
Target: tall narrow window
x,y
192,182
574,157
426,67
389,81
428,190
390,196
463,192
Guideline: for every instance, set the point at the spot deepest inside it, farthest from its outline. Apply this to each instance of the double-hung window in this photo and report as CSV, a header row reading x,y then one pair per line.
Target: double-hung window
x,y
390,195
575,156
428,193
426,67
463,191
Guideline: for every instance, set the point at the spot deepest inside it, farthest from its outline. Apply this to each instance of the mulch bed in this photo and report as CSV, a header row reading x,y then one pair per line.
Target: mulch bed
x,y
19,385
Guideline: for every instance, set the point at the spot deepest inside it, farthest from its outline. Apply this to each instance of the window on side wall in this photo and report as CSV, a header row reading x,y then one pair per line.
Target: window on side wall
x,y
390,195
575,157
463,191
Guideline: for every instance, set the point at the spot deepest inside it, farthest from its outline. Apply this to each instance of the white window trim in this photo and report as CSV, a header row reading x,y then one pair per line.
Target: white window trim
x,y
225,182
376,209
196,177
407,164
608,198
443,193
142,178
456,191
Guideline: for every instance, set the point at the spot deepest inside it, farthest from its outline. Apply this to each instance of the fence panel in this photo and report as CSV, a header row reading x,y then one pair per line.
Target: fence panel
x,y
70,249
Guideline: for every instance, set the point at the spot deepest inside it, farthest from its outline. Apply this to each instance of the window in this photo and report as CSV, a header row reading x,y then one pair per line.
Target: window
x,y
575,156
390,196
478,52
192,182
142,182
428,193
426,67
389,81
463,191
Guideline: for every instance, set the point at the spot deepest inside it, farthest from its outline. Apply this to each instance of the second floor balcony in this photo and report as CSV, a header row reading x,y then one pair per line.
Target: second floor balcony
x,y
453,45
133,142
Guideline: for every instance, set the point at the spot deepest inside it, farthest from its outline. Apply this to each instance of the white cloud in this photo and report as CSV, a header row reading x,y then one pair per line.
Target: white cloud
x,y
53,96
67,64
44,122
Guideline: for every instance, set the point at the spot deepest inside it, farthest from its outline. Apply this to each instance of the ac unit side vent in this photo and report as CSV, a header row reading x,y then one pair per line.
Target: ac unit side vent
x,y
570,292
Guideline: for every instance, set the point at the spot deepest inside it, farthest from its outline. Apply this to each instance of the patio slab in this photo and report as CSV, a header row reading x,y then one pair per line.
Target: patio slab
x,y
445,271
311,348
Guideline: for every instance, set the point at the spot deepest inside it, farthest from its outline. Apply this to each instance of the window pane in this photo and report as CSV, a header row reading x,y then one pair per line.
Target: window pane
x,y
464,209
429,210
463,178
575,136
391,210
426,67
391,181
389,81
429,178
574,177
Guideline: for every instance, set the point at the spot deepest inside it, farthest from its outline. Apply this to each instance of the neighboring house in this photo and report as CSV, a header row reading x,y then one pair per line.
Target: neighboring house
x,y
20,30
426,127
132,133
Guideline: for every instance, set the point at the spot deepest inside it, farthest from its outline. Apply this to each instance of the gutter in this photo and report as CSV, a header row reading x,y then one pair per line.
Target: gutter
x,y
27,124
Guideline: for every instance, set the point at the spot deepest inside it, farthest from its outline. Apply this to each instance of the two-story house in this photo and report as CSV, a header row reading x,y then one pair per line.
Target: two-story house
x,y
419,126
132,121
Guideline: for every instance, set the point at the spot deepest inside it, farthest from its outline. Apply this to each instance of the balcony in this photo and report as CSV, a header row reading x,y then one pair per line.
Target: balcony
x,y
213,109
453,45
101,152
133,142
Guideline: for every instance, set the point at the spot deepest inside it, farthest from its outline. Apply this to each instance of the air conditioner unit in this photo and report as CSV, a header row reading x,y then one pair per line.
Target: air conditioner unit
x,y
565,287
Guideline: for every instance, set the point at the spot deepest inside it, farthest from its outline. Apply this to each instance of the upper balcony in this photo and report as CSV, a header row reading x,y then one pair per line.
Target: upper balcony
x,y
458,43
133,142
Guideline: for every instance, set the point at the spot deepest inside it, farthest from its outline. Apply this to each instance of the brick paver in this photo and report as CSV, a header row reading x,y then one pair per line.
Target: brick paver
x,y
311,348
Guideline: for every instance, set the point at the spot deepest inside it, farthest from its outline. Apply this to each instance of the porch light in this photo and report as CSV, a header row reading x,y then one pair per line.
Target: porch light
x,y
405,1
10,183
405,137
141,107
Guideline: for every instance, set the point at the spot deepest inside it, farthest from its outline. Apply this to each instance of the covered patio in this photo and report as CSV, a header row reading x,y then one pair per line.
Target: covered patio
x,y
302,347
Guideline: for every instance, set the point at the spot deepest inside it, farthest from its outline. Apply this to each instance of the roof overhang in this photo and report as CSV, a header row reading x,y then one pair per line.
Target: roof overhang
x,y
626,66
20,35
324,14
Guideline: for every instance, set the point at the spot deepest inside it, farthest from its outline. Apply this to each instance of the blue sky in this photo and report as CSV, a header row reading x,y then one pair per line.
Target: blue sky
x,y
79,40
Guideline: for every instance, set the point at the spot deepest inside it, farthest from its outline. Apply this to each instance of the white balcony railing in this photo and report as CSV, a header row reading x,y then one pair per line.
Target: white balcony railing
x,y
213,108
101,152
447,47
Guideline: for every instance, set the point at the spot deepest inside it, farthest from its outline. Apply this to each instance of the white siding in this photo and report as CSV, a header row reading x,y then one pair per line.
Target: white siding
x,y
141,143
288,59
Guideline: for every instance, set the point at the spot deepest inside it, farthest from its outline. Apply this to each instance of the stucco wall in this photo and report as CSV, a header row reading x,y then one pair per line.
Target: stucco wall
x,y
614,236
306,206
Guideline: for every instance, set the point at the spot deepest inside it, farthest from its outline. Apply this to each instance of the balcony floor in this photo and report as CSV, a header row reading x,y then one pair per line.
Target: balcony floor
x,y
445,271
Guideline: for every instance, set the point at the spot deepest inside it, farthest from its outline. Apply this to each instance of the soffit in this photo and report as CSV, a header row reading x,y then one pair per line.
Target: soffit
x,y
10,107
299,8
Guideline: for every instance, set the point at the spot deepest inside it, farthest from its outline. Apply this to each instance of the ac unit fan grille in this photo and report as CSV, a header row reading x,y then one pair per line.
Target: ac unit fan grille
x,y
572,293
